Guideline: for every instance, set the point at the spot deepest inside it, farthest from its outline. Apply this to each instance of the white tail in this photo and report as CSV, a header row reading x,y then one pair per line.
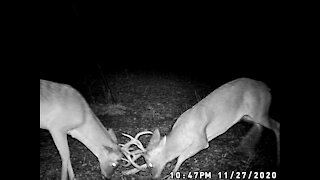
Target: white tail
x,y
239,99
64,111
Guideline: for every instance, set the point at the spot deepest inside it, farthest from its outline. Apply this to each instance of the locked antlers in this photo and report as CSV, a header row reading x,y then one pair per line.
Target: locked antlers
x,y
131,154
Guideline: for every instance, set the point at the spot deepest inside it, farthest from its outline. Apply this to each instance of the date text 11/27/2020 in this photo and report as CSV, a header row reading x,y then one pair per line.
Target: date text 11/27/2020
x,y
247,175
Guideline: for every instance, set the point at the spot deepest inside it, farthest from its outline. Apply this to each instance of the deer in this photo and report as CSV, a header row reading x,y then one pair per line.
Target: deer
x,y
63,110
241,99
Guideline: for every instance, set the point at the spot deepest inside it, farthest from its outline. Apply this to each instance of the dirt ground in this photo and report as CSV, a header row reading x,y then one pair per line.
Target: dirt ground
x,y
150,101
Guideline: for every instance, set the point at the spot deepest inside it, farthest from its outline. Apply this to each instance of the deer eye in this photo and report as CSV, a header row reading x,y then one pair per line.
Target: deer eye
x,y
113,164
150,165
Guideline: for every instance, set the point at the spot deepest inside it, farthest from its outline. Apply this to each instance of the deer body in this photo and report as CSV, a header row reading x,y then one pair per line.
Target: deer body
x,y
211,117
64,111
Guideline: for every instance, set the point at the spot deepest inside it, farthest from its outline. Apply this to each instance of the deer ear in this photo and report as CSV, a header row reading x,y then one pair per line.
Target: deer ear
x,y
155,138
113,136
163,141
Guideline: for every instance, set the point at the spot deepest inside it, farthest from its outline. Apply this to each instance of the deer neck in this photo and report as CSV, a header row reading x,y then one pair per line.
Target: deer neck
x,y
93,134
174,146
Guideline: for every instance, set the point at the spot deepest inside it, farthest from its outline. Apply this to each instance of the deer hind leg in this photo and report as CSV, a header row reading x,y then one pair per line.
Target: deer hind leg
x,y
250,140
193,149
268,123
61,142
276,129
275,126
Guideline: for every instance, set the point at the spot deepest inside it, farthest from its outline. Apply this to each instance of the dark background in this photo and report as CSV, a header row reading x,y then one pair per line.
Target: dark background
x,y
199,43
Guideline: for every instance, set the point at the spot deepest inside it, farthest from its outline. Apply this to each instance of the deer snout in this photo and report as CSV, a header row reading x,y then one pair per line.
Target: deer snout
x,y
107,172
155,173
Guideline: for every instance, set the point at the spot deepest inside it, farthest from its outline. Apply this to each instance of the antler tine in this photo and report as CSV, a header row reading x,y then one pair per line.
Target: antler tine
x,y
132,141
133,155
135,140
122,145
126,147
139,144
131,160
129,136
127,162
134,170
142,133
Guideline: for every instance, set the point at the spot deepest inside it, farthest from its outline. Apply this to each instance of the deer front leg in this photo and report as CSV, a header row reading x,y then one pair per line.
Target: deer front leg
x,y
190,151
61,143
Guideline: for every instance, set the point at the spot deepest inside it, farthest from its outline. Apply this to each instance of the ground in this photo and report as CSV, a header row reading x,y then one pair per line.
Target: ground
x,y
145,101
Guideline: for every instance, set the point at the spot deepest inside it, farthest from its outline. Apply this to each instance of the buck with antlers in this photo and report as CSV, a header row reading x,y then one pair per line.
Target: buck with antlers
x,y
242,98
64,111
